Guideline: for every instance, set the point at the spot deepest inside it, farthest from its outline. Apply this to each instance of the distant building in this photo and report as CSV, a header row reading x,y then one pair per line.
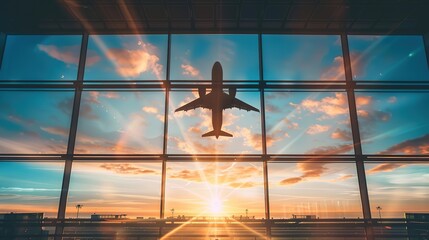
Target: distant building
x,y
102,217
417,226
22,226
303,216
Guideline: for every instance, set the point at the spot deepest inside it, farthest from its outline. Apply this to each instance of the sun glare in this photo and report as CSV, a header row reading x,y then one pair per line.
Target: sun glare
x,y
215,207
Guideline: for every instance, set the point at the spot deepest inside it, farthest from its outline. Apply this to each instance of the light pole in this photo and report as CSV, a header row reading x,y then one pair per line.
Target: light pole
x,y
172,213
247,211
379,211
78,207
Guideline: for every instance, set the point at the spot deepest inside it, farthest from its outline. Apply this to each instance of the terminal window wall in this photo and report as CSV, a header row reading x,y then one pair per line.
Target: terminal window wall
x,y
123,119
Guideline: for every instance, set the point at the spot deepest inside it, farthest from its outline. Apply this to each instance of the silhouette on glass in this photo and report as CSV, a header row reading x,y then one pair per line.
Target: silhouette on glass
x,y
217,100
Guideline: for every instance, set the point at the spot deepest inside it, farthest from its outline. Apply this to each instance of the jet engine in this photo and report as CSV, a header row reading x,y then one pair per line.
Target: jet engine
x,y
202,91
232,92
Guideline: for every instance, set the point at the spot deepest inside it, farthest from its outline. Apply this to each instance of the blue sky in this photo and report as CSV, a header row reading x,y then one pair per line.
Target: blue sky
x,y
132,122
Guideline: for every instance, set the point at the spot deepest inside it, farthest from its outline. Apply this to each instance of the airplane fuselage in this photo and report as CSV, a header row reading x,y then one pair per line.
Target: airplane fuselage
x,y
217,90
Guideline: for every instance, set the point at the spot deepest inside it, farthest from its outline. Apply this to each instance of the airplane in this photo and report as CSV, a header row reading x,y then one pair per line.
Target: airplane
x,y
217,100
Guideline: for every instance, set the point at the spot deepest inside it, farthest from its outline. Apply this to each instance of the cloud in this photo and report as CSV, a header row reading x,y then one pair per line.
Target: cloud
x,y
335,71
343,178
132,63
56,131
290,124
363,100
21,121
150,110
340,134
309,170
317,128
87,112
374,115
66,106
224,174
329,106
384,167
392,99
418,145
126,168
331,150
68,54
189,70
253,140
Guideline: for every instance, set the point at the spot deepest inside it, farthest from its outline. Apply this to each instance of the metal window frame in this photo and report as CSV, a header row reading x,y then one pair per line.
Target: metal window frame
x,y
349,86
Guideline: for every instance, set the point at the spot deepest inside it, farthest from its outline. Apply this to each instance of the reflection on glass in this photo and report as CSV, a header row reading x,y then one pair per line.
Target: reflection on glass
x,y
121,122
109,188
185,129
397,188
320,189
41,57
393,122
126,57
398,58
30,187
308,123
302,57
233,190
34,122
193,56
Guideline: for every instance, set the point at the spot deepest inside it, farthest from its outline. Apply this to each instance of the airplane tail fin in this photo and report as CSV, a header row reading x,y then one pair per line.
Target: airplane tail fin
x,y
213,133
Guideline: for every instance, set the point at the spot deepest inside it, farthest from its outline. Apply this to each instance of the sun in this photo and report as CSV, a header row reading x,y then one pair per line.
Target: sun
x,y
215,207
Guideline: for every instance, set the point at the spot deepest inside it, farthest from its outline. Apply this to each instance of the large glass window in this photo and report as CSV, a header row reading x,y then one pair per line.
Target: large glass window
x,y
193,56
197,189
126,57
302,57
308,123
393,122
400,58
397,188
41,57
121,122
35,122
30,187
185,129
112,188
317,189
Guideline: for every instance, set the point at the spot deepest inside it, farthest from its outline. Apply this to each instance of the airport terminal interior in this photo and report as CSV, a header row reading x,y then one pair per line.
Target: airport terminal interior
x,y
214,119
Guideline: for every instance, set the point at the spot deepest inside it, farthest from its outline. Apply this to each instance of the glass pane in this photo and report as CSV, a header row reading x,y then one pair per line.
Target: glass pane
x,y
233,190
302,57
393,122
126,57
316,189
193,56
41,57
397,188
388,58
35,122
107,189
121,122
30,187
185,129
308,123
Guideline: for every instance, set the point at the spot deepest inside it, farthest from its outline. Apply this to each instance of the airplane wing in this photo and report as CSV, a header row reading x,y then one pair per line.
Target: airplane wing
x,y
230,102
202,102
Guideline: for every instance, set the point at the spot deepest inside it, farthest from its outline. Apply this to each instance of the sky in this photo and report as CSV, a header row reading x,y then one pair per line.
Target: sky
x,y
118,121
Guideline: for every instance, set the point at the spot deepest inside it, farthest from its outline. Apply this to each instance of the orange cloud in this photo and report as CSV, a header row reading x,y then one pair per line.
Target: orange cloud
x,y
132,63
189,70
68,54
226,174
342,135
343,178
150,109
309,170
331,150
418,145
363,100
126,168
335,71
317,128
289,181
56,131
384,167
330,106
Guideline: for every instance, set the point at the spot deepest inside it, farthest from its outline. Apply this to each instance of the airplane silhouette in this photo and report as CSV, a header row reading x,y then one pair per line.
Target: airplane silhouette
x,y
217,100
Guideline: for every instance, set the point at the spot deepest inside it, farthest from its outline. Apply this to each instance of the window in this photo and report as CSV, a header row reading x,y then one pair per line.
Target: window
x,y
41,57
